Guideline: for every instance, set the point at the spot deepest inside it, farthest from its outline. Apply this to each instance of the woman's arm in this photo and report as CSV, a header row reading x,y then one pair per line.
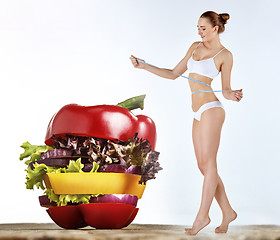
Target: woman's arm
x,y
226,68
180,68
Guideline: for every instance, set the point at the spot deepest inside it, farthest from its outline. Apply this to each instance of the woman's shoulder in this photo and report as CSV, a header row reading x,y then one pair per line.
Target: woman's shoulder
x,y
192,47
225,56
226,53
195,44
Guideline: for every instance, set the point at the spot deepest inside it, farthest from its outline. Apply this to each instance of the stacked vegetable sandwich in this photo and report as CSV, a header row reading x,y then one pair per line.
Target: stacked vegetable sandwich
x,y
94,165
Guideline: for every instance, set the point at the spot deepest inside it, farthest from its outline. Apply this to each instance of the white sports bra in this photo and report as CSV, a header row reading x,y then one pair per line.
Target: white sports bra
x,y
204,67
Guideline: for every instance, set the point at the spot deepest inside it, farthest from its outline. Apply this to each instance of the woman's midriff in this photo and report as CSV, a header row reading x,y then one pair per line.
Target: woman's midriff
x,y
198,99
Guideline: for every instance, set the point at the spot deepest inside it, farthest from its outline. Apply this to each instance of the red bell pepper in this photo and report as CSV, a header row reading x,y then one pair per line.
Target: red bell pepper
x,y
101,121
97,215
108,215
69,217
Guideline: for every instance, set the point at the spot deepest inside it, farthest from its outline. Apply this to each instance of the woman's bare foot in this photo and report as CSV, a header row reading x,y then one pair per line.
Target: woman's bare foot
x,y
227,219
197,226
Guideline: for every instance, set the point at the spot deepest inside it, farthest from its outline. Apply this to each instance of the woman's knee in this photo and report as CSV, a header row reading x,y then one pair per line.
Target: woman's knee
x,y
201,167
201,170
207,165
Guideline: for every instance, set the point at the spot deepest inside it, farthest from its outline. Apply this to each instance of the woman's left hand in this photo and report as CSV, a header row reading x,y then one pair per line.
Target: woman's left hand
x,y
237,95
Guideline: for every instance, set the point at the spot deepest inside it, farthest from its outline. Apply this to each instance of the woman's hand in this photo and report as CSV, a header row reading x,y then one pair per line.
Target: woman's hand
x,y
136,63
235,95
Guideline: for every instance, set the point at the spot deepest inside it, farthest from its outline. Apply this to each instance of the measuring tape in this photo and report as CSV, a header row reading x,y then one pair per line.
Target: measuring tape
x,y
188,78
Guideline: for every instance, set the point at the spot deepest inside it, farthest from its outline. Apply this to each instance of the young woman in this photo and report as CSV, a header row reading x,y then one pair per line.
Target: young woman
x,y
204,60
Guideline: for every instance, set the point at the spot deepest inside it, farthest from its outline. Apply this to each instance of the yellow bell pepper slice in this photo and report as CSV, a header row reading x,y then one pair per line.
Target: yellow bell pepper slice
x,y
94,183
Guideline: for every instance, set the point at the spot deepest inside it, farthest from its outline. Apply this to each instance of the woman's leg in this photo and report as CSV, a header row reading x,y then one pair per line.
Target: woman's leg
x,y
209,131
228,213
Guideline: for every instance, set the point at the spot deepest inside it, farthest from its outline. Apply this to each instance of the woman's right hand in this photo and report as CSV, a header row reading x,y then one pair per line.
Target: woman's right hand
x,y
136,63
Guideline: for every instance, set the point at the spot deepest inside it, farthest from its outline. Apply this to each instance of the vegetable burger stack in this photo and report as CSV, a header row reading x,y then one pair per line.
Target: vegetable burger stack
x,y
95,164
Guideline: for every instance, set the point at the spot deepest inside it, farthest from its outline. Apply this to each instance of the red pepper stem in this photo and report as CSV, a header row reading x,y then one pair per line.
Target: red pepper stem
x,y
133,103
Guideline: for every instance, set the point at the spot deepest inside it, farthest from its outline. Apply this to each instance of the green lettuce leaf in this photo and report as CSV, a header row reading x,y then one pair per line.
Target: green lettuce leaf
x,y
34,177
33,151
75,166
94,167
51,195
65,199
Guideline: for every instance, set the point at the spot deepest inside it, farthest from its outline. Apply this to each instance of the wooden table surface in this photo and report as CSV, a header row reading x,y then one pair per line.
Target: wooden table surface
x,y
50,231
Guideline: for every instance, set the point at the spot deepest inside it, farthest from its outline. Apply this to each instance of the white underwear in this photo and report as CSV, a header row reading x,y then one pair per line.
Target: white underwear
x,y
206,106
